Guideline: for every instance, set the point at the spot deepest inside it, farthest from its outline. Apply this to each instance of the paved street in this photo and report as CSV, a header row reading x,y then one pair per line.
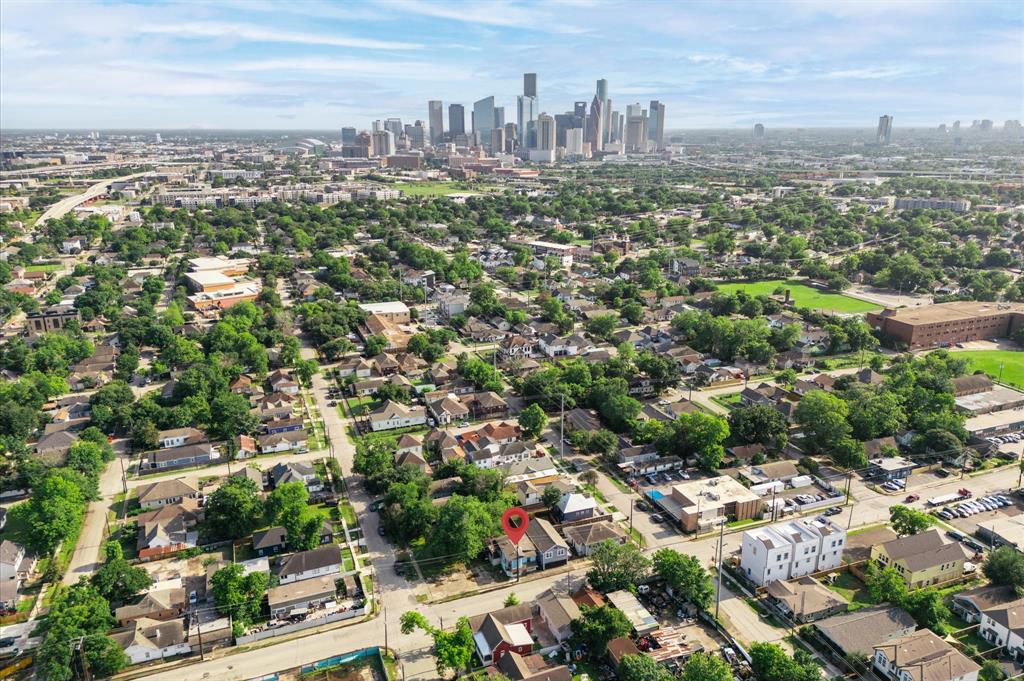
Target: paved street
x,y
397,594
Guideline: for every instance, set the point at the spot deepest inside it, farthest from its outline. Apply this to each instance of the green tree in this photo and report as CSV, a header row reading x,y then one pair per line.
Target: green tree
x,y
551,496
104,655
231,415
453,650
885,585
117,580
533,420
770,662
686,576
698,434
759,423
706,667
234,509
642,668
1004,566
305,369
617,566
511,600
238,594
603,326
906,520
463,526
928,609
596,626
53,513
75,612
849,453
288,505
991,670
822,416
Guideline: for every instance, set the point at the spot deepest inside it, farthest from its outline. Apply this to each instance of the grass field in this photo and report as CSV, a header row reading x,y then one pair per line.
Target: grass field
x,y
44,268
803,295
989,361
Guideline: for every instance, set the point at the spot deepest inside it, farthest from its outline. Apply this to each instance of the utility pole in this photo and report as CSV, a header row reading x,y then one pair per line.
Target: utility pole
x,y
718,593
199,632
561,429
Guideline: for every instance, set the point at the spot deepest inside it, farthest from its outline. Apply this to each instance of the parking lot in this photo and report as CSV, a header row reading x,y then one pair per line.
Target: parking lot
x,y
969,525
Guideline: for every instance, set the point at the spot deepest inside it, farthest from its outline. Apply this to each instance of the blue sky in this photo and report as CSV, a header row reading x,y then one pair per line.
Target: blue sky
x,y
312,64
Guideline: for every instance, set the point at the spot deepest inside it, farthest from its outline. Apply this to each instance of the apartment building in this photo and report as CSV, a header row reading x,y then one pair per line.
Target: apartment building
x,y
50,318
791,549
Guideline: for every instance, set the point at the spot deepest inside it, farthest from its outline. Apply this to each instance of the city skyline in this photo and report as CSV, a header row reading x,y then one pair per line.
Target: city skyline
x,y
253,65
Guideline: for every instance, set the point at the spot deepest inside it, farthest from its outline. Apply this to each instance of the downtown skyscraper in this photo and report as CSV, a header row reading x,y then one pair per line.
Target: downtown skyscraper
x,y
456,120
527,109
435,119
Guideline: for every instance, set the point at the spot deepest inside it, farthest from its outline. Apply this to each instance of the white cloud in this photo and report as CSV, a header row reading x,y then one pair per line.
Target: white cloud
x,y
254,33
489,14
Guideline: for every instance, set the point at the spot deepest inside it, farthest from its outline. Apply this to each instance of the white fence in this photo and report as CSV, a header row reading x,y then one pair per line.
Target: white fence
x,y
299,626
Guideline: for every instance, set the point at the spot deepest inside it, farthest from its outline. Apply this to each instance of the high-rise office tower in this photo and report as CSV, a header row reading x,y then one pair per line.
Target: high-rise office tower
x,y
636,128
607,120
530,84
602,95
511,138
656,124
759,131
348,135
956,126
383,143
416,134
613,128
546,132
377,126
435,117
574,141
498,140
483,119
395,126
456,119
595,126
499,117
884,132
580,109
986,125
526,119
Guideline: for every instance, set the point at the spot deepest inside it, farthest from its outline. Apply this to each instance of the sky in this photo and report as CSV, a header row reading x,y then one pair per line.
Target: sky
x,y
318,65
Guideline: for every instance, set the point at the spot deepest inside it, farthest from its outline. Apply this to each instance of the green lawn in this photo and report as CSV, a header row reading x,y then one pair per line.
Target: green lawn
x,y
803,295
853,590
1012,362
431,188
44,268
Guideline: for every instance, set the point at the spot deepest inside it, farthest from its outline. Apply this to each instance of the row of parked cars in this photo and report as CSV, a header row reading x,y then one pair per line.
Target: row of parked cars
x,y
971,507
665,476
1005,439
895,485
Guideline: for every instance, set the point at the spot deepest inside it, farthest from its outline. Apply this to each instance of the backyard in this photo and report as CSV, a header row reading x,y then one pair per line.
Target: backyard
x,y
803,295
1004,365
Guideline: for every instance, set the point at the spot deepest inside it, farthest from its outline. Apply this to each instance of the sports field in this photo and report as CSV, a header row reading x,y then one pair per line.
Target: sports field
x,y
989,361
803,295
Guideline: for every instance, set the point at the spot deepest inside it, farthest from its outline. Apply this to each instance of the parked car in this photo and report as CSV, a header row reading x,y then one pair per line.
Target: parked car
x,y
911,498
657,518
942,473
835,510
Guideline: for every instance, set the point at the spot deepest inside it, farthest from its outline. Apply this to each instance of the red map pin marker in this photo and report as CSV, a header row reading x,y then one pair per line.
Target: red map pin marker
x,y
514,532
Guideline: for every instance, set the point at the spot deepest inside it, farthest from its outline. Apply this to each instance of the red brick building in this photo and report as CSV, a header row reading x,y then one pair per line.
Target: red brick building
x,y
948,323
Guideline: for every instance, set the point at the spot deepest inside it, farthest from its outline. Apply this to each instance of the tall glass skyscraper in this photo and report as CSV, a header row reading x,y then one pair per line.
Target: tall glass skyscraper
x,y
483,119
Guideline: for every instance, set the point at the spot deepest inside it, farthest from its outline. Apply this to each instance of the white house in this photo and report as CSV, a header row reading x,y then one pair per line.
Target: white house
x,y
1003,625
554,346
791,549
323,560
150,640
922,656
179,437
393,415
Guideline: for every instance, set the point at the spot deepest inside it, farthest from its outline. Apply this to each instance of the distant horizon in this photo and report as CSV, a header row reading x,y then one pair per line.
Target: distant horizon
x,y
323,65
997,127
